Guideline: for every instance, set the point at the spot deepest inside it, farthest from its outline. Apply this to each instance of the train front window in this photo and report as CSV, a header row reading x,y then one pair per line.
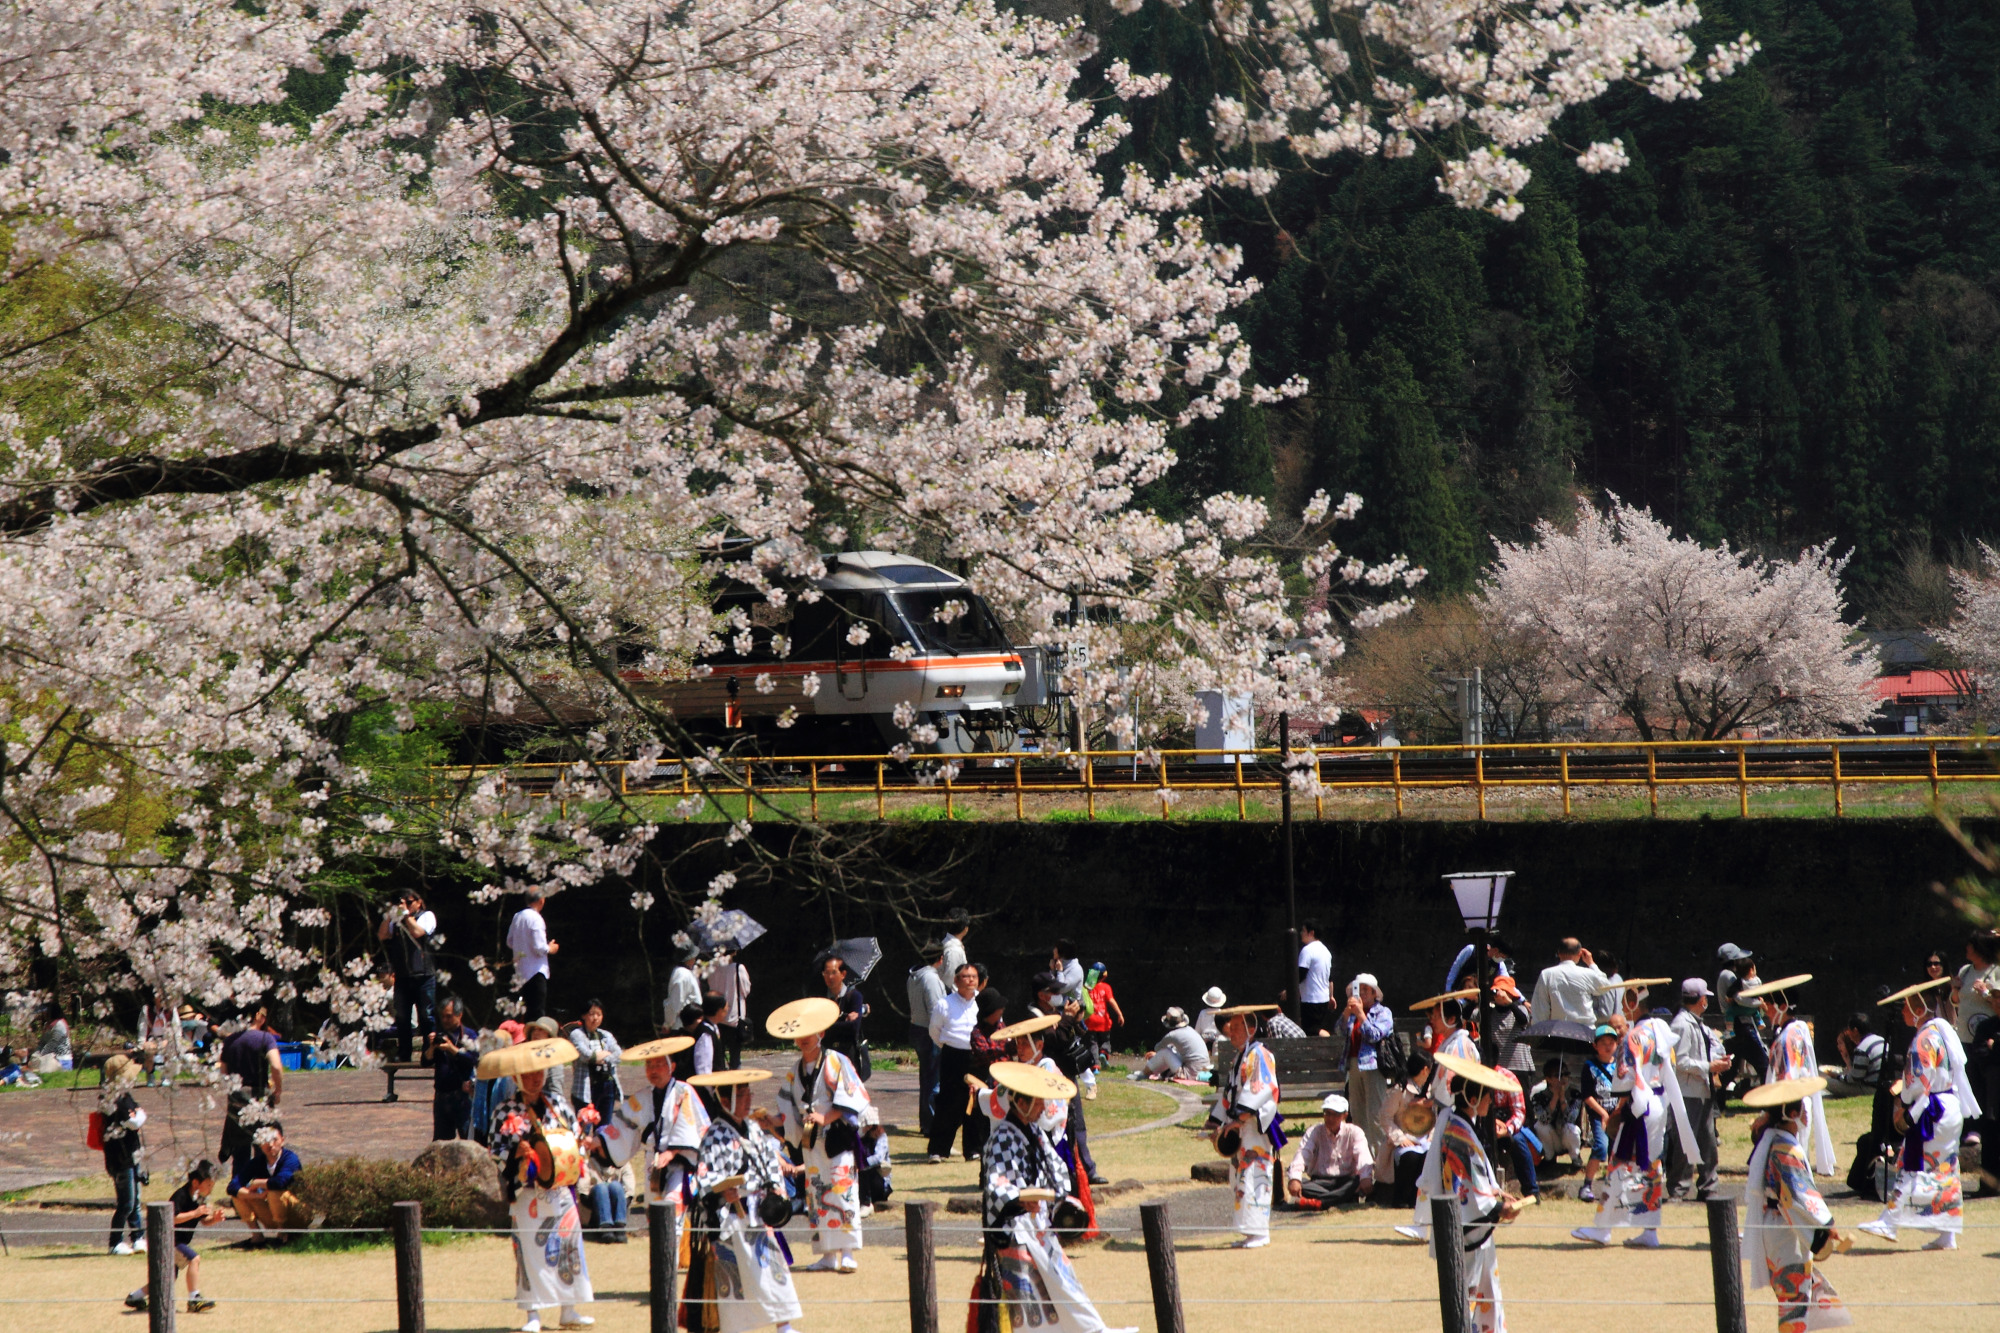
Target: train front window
x,y
968,628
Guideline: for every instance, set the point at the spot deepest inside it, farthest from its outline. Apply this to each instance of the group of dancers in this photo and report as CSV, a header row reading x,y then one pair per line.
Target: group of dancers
x,y
718,1161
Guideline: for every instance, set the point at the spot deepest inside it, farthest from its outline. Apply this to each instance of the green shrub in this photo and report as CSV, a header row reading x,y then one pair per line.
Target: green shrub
x,y
359,1192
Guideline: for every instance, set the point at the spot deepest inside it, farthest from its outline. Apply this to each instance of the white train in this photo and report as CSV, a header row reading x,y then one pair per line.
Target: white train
x,y
958,673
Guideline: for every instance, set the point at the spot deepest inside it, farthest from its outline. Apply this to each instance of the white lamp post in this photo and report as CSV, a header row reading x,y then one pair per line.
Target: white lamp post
x,y
1479,894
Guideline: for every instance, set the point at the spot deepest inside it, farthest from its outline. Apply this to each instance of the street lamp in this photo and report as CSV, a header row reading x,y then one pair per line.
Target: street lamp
x,y
1479,894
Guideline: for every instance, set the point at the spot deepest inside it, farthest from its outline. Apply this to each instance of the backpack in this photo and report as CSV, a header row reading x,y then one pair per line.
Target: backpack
x,y
1392,1054
93,1132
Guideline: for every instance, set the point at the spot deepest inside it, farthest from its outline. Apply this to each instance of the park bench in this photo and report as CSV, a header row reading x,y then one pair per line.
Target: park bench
x,y
1311,1067
395,1067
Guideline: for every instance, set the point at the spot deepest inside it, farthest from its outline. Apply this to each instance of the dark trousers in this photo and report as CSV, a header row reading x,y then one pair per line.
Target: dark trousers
x,y
535,997
732,1046
1409,1166
127,1221
419,993
1328,1191
1079,1136
927,1077
1316,1018
1747,1046
451,1115
950,1113
1680,1171
1522,1157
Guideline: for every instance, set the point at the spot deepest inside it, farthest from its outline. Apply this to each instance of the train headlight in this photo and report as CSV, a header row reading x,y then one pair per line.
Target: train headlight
x,y
1011,687
951,692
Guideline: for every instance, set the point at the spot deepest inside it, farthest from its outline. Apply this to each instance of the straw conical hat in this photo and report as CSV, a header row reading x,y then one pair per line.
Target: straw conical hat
x,y
802,1018
1773,987
1470,1070
1246,1009
728,1078
1032,1081
1783,1092
514,1061
658,1048
1908,991
1633,983
1469,993
1027,1027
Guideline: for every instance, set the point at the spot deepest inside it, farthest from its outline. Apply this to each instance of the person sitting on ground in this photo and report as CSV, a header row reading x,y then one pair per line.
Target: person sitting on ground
x,y
1599,1073
1557,1114
1400,1158
191,1209
55,1044
1280,1028
1332,1165
1864,1052
262,1188
606,1189
1180,1054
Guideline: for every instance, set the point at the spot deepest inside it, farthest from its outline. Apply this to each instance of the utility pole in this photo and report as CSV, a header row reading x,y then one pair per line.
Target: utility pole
x,y
1291,883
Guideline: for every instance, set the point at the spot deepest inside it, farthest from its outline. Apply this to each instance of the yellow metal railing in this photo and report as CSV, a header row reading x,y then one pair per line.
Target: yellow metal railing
x,y
1560,768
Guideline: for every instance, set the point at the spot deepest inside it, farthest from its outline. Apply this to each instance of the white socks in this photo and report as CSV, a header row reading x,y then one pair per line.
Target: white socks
x,y
1946,1240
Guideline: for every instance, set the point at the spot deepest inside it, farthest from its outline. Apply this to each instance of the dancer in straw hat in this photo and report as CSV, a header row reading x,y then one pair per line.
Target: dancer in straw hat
x,y
1024,1279
1026,1040
666,1118
1456,1164
1933,1103
539,1145
821,1103
1792,1058
1244,1124
1446,1035
1636,1185
1785,1214
739,1275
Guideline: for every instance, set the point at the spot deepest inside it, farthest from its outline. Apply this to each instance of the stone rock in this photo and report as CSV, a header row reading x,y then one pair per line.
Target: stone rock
x,y
468,1160
1213,1173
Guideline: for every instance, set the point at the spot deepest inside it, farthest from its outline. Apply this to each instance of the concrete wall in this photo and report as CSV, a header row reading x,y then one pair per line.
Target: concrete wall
x,y
1176,907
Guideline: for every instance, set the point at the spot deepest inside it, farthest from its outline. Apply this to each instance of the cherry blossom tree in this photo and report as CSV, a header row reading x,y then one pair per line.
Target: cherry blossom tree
x,y
553,316
1974,633
1682,640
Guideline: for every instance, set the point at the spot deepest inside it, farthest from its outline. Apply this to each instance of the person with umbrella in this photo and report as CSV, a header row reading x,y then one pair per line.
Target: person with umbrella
x,y
540,1146
820,1108
739,1275
846,1034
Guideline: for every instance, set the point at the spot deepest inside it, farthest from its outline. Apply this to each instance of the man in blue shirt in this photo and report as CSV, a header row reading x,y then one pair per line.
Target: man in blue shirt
x,y
453,1051
262,1188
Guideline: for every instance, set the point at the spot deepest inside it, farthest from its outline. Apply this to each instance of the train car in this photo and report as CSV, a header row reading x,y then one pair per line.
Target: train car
x,y
887,630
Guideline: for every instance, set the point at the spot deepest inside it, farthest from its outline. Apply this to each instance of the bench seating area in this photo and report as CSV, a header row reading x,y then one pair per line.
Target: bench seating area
x,y
1315,1066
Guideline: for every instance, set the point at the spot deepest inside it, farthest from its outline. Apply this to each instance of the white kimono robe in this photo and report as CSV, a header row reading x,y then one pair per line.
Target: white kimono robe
x,y
672,1123
549,1267
1463,1170
1784,1207
1636,1185
832,1087
1461,1044
1937,1100
1251,1087
1025,1270
746,1277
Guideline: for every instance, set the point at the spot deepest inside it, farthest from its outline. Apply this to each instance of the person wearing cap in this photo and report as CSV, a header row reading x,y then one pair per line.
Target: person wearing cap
x,y
1791,1057
1699,1061
1024,1279
1600,1072
821,1103
925,991
549,1264
738,1277
1456,1164
1785,1214
1648,1092
1333,1164
1743,1018
1933,1107
1244,1122
1179,1054
1366,1023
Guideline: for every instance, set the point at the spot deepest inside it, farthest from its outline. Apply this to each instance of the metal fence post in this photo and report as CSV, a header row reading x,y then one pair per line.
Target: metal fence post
x,y
922,1254
1725,1260
1166,1275
160,1267
664,1244
409,1229
1448,1242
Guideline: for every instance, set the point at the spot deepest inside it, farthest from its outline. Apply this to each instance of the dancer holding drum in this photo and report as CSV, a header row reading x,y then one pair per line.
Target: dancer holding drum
x,y
821,1104
739,1276
535,1137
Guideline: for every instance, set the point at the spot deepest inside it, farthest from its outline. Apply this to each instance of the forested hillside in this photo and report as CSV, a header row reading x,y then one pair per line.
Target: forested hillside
x,y
1780,324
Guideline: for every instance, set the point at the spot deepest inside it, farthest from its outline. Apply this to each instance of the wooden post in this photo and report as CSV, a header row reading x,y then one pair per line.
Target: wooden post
x,y
160,1267
1166,1276
1652,782
409,1228
1448,1241
922,1254
1396,780
664,1246
1838,807
1725,1261
1562,758
1743,781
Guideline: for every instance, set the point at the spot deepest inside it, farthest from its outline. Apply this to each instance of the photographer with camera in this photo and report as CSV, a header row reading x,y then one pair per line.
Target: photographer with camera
x,y
410,933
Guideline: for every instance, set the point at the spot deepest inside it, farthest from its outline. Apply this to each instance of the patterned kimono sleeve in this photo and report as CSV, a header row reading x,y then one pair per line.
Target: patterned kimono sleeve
x,y
762,1162
1467,1173
556,1110
839,1087
1794,1054
683,1122
1055,1110
1009,1167
1257,1085
722,1156
510,1124
793,1102
1799,1200
1928,1071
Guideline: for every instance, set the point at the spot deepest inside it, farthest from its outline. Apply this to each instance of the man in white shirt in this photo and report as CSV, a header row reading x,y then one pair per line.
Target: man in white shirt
x,y
528,937
957,925
1315,981
1568,990
731,980
683,990
1333,1165
951,1031
1698,1057
925,991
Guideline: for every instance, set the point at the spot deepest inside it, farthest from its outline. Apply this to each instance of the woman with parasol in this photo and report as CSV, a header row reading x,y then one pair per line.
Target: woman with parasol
x,y
739,1272
540,1147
